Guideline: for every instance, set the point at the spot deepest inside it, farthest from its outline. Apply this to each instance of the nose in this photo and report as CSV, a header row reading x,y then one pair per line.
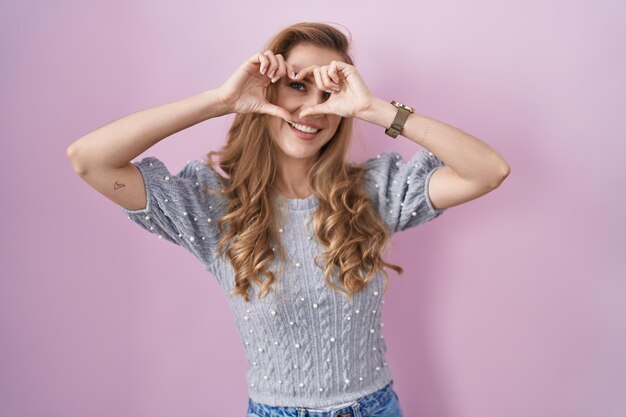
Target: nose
x,y
314,96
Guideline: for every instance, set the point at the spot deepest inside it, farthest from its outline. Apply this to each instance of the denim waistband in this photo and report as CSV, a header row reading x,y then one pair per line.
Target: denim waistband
x,y
360,407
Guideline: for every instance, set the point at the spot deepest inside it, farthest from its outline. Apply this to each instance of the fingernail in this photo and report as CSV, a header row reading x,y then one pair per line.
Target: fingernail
x,y
275,79
271,74
263,70
293,75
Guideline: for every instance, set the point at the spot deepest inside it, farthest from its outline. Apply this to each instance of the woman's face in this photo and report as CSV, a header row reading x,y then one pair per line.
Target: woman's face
x,y
294,95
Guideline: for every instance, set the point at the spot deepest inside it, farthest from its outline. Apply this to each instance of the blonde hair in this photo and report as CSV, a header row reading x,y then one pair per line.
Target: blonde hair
x,y
345,223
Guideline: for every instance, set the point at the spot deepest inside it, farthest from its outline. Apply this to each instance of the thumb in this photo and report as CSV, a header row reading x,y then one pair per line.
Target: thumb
x,y
316,109
277,111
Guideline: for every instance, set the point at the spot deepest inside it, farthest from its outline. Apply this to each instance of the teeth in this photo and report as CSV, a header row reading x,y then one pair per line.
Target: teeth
x,y
303,128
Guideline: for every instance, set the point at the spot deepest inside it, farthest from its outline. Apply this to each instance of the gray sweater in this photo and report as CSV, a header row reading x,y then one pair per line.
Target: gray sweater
x,y
306,344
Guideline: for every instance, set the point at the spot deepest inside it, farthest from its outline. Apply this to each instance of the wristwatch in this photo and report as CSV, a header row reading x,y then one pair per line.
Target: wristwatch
x,y
401,116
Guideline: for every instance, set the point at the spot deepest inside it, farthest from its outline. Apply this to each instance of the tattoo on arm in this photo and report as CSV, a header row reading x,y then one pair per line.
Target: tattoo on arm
x,y
118,185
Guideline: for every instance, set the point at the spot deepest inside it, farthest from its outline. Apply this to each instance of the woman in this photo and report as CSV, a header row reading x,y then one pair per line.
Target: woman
x,y
294,234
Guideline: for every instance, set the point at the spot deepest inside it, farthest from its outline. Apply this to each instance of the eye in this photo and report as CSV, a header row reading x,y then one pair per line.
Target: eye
x,y
296,86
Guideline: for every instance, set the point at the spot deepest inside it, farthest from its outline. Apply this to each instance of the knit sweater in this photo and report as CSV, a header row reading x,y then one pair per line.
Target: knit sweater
x,y
307,345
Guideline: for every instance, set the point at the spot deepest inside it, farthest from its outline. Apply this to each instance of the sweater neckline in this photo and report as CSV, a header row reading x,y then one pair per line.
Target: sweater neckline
x,y
300,203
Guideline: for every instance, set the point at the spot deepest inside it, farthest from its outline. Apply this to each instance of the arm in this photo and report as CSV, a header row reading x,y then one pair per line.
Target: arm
x,y
472,168
102,157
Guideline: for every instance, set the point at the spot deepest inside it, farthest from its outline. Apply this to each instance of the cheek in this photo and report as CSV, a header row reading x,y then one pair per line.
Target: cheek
x,y
278,127
334,122
283,96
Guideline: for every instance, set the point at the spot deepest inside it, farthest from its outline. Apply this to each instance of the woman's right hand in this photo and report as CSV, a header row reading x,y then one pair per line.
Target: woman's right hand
x,y
244,91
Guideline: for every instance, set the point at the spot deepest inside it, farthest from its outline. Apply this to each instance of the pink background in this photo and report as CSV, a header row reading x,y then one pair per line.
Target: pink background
x,y
511,305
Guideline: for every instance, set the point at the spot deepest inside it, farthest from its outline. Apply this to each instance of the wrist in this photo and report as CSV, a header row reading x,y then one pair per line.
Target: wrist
x,y
380,112
219,101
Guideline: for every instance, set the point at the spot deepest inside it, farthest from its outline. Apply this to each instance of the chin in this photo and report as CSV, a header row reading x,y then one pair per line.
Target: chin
x,y
295,152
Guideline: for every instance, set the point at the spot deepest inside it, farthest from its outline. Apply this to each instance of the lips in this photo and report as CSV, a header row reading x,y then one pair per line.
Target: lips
x,y
307,123
300,127
303,135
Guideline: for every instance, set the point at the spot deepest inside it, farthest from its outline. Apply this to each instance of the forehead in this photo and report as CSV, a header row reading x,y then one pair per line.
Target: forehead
x,y
304,55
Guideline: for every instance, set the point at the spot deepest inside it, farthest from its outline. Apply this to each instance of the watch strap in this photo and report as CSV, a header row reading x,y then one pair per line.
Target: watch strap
x,y
398,122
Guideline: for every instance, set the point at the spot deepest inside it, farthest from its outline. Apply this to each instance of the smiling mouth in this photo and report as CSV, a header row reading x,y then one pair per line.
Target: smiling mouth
x,y
303,128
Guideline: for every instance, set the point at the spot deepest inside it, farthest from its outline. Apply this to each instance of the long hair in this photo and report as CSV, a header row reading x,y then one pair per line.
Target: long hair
x,y
345,223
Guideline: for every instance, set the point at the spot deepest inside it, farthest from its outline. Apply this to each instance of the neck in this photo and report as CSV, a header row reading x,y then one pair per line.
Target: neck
x,y
292,178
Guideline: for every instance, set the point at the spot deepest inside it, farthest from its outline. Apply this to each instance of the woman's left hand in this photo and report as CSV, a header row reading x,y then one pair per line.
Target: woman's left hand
x,y
349,97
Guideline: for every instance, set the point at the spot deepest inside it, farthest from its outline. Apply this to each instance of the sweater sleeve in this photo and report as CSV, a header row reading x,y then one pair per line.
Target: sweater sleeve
x,y
399,189
177,209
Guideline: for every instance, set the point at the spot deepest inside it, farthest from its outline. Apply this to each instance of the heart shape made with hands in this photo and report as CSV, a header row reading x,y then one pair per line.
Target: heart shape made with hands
x,y
350,96
245,91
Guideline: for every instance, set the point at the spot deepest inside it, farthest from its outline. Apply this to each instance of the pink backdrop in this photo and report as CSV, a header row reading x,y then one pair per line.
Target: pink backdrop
x,y
511,305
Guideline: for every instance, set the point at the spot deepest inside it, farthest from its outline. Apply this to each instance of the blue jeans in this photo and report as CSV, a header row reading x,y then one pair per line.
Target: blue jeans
x,y
382,403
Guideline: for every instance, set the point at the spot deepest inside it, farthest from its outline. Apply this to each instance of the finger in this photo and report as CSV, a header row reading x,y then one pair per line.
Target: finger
x,y
277,111
303,73
263,62
319,82
282,68
316,109
332,72
254,59
340,65
273,63
327,81
341,70
291,72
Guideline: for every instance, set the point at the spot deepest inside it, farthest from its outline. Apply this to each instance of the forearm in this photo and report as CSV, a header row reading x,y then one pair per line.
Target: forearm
x,y
469,157
119,142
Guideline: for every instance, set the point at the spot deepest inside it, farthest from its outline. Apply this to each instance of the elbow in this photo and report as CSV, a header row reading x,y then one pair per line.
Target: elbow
x,y
496,178
72,156
503,173
71,152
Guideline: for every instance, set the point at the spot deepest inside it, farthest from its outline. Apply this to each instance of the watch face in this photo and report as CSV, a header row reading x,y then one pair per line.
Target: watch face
x,y
403,106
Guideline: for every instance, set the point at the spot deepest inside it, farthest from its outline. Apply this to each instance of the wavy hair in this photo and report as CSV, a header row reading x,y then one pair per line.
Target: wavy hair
x,y
345,223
